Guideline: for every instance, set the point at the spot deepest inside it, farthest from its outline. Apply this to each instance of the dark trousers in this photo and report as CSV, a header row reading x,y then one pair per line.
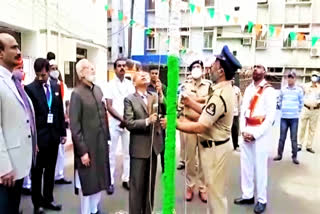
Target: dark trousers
x,y
235,132
141,194
162,153
44,168
284,126
10,198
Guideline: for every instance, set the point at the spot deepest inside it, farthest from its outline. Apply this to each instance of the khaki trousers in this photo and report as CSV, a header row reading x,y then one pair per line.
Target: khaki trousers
x,y
194,172
308,118
214,162
182,147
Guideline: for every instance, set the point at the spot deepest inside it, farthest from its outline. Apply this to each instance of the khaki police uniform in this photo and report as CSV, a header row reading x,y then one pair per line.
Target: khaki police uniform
x,y
194,173
309,115
215,144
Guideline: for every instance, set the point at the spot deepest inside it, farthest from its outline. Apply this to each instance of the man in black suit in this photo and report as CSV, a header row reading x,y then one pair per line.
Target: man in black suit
x,y
140,112
50,123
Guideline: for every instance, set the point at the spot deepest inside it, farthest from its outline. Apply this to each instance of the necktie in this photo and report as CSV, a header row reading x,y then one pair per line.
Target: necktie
x,y
28,108
47,92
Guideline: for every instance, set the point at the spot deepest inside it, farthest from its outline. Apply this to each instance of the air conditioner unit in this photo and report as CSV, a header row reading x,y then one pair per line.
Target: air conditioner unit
x,y
246,41
315,52
261,44
262,1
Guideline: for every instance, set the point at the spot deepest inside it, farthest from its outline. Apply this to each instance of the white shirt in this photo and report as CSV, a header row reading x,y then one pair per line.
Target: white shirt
x,y
116,91
266,106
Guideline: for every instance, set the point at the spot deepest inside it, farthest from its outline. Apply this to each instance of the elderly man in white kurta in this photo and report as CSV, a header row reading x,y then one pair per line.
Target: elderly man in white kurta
x,y
257,117
117,90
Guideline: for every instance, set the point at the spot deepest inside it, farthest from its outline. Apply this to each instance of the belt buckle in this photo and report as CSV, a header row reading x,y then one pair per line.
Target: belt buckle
x,y
311,108
209,144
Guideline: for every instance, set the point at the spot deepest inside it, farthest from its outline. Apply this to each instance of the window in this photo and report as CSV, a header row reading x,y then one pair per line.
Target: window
x,y
150,43
219,31
209,3
185,41
207,38
151,4
120,50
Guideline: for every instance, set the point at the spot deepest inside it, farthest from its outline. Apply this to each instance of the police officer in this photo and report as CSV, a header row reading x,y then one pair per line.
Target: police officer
x,y
198,89
214,129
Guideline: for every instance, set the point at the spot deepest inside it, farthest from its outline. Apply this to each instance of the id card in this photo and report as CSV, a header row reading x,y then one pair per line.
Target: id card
x,y
50,118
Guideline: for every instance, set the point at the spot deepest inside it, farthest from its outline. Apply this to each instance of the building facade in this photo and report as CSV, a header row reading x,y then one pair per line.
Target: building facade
x,y
202,36
71,29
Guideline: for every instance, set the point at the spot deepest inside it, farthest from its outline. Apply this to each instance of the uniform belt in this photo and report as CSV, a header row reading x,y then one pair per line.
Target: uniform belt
x,y
208,143
311,108
255,121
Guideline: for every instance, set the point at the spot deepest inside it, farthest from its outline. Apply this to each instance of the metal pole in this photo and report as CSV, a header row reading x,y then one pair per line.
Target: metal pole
x,y
130,30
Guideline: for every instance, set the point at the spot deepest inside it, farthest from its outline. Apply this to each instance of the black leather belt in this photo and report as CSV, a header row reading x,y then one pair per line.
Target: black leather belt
x,y
208,143
311,108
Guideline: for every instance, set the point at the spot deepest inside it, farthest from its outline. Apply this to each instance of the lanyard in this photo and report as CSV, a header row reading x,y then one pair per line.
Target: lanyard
x,y
50,100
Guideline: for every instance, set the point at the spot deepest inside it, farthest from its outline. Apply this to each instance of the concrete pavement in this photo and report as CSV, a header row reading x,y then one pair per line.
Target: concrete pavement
x,y
292,189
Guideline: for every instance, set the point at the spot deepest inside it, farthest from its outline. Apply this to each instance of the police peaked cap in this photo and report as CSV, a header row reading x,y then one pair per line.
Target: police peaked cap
x,y
228,61
195,62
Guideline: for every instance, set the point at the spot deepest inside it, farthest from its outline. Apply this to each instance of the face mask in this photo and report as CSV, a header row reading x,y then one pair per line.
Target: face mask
x,y
18,74
314,78
196,73
54,74
91,78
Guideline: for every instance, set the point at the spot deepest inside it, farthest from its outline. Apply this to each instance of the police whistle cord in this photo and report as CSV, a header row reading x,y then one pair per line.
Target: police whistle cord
x,y
168,178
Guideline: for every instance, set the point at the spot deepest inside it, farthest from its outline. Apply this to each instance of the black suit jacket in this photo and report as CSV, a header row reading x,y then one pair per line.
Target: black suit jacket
x,y
47,133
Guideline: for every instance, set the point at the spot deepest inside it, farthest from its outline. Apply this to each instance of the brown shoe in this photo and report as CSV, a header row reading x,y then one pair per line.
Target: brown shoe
x,y
189,194
203,197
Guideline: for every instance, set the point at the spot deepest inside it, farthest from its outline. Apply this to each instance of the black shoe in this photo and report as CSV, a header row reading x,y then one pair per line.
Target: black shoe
x,y
38,210
62,181
259,208
299,149
311,150
278,158
242,201
25,191
52,206
295,161
126,185
110,189
181,165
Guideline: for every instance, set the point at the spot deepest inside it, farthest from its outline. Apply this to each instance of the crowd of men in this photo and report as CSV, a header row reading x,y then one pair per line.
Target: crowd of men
x,y
211,115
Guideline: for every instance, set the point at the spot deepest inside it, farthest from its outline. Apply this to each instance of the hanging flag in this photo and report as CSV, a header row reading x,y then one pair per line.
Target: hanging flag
x,y
250,26
167,41
301,37
132,22
264,30
278,31
227,17
314,40
106,7
198,9
192,7
236,19
271,30
183,51
258,29
148,31
292,36
120,15
211,12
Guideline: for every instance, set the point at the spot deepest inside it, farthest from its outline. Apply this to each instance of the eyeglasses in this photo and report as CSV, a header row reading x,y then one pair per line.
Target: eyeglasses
x,y
121,65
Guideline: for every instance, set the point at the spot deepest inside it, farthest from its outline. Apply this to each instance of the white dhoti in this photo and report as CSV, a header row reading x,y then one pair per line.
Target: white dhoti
x,y
124,135
59,172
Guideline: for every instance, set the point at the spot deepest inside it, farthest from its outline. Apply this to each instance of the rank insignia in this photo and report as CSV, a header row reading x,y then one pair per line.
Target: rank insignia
x,y
211,109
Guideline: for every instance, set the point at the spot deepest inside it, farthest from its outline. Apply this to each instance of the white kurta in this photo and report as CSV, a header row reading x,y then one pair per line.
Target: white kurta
x,y
254,155
117,91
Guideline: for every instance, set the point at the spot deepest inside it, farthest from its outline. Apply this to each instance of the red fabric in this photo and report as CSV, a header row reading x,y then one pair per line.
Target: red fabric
x,y
62,89
255,121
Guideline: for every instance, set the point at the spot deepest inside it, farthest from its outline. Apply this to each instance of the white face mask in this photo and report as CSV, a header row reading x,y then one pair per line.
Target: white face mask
x,y
54,74
196,73
314,78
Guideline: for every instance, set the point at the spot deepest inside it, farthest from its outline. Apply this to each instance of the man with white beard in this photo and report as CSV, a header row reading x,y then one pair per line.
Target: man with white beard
x,y
90,137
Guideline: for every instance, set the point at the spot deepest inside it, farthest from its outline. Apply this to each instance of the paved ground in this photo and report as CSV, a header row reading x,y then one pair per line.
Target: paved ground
x,y
292,189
